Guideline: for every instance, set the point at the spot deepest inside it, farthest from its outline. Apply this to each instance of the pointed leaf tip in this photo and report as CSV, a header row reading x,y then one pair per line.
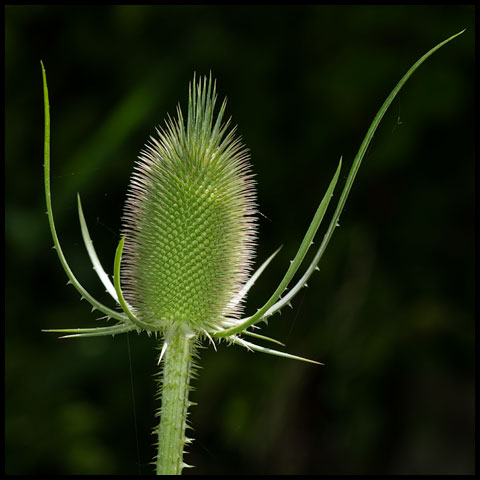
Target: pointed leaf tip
x,y
258,348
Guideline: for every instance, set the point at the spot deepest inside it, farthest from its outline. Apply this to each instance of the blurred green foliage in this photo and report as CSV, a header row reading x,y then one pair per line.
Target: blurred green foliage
x,y
391,311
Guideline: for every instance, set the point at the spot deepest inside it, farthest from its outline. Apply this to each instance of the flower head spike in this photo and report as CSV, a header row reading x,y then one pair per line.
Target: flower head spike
x,y
189,221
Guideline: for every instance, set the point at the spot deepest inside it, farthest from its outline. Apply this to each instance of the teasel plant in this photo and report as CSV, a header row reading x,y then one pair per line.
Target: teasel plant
x,y
183,266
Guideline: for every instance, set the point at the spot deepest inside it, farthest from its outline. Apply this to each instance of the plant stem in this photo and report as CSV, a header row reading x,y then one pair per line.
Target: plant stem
x,y
174,388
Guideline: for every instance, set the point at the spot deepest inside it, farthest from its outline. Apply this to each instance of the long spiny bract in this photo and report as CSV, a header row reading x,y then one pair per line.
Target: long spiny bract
x,y
189,221
275,303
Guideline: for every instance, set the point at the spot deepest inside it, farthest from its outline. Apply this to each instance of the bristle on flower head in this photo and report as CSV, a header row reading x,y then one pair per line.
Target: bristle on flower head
x,y
189,220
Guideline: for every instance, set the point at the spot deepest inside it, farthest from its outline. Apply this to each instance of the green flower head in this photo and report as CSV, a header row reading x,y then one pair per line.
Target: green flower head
x,y
189,221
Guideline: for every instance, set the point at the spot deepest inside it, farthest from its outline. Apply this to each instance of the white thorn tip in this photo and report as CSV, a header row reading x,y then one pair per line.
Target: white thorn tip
x,y
164,348
165,344
210,339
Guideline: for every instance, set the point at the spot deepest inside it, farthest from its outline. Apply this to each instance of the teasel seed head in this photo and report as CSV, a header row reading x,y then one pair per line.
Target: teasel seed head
x,y
189,221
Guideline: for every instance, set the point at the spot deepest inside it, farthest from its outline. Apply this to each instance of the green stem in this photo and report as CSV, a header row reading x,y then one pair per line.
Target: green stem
x,y
177,371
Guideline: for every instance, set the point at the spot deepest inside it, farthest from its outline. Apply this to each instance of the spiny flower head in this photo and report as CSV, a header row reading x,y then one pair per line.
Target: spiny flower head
x,y
189,221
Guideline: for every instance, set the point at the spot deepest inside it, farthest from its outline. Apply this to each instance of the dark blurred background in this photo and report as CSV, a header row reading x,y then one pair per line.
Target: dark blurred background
x,y
391,313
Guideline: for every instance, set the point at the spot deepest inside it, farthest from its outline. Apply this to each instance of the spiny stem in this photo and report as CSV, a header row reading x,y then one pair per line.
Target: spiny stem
x,y
177,372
